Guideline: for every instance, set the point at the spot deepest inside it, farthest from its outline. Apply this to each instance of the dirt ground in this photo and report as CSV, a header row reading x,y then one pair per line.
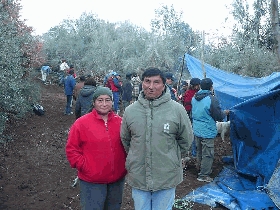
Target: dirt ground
x,y
35,173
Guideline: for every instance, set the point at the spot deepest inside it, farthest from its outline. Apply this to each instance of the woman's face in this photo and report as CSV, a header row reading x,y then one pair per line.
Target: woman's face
x,y
103,104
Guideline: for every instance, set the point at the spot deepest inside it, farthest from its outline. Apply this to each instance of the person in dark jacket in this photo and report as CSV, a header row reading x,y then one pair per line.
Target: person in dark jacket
x,y
127,91
69,85
206,111
169,83
94,148
84,99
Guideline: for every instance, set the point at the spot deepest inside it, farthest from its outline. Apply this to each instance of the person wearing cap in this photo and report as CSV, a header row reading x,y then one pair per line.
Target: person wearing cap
x,y
169,80
156,133
45,71
206,111
127,89
94,148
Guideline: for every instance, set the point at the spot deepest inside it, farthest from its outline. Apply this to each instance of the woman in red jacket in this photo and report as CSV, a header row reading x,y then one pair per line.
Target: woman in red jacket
x,y
94,148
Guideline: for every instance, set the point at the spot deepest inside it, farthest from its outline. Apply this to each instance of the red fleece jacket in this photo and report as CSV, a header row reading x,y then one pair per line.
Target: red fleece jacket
x,y
188,99
94,148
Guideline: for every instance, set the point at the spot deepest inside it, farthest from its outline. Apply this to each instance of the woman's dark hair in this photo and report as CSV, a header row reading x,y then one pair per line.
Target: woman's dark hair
x,y
90,81
152,71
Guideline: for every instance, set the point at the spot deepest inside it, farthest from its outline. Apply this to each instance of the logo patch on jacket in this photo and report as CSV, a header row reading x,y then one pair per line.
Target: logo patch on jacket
x,y
166,128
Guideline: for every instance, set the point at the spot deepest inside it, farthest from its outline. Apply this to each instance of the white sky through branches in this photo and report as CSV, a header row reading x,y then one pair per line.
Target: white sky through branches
x,y
199,14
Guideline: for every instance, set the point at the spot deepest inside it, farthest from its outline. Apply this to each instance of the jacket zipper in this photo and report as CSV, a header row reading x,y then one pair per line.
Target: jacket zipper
x,y
151,107
106,125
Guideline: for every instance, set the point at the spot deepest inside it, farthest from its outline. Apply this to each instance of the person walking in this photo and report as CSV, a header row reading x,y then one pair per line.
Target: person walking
x,y
206,111
84,99
69,85
156,133
94,148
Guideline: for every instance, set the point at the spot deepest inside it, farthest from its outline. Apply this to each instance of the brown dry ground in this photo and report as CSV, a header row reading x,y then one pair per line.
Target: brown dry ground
x,y
35,174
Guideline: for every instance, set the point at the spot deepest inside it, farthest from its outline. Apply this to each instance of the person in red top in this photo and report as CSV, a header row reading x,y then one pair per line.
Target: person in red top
x,y
193,88
94,148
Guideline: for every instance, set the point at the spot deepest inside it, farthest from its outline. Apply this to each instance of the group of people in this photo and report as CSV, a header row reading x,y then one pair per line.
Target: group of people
x,y
145,147
126,90
81,91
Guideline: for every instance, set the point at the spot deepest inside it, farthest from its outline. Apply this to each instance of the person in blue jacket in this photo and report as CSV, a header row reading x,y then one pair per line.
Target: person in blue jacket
x,y
45,71
69,85
206,111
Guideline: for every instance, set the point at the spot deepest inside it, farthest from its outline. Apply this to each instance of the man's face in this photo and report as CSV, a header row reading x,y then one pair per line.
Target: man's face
x,y
169,81
152,87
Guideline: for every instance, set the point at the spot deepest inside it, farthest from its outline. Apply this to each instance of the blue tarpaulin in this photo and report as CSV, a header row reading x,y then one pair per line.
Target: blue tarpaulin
x,y
231,88
252,181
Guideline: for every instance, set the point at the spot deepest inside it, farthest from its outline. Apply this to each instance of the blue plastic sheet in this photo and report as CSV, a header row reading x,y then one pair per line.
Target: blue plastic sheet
x,y
252,178
230,88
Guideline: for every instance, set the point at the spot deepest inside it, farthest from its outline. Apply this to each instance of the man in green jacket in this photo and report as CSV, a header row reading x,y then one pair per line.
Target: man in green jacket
x,y
156,133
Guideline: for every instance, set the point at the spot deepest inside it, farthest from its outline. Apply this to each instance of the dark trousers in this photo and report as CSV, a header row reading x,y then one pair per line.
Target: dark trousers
x,y
101,196
68,104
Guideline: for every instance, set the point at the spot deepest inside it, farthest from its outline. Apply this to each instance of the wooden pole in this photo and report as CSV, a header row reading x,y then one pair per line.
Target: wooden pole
x,y
202,55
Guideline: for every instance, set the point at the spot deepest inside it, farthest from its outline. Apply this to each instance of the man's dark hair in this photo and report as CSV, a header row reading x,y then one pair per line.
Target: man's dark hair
x,y
152,71
82,78
71,72
90,81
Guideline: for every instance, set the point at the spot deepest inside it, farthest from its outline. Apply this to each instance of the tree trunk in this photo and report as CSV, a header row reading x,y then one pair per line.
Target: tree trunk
x,y
275,25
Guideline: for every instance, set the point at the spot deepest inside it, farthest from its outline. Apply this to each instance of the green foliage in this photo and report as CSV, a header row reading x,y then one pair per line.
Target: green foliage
x,y
248,51
17,92
92,44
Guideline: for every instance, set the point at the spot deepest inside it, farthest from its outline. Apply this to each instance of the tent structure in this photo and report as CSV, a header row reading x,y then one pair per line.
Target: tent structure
x,y
231,88
251,180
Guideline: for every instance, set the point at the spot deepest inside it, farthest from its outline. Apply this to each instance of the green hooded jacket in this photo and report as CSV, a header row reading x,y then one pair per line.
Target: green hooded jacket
x,y
156,135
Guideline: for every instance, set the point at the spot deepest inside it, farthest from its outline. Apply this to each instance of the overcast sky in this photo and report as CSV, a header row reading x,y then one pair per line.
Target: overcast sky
x,y
200,15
